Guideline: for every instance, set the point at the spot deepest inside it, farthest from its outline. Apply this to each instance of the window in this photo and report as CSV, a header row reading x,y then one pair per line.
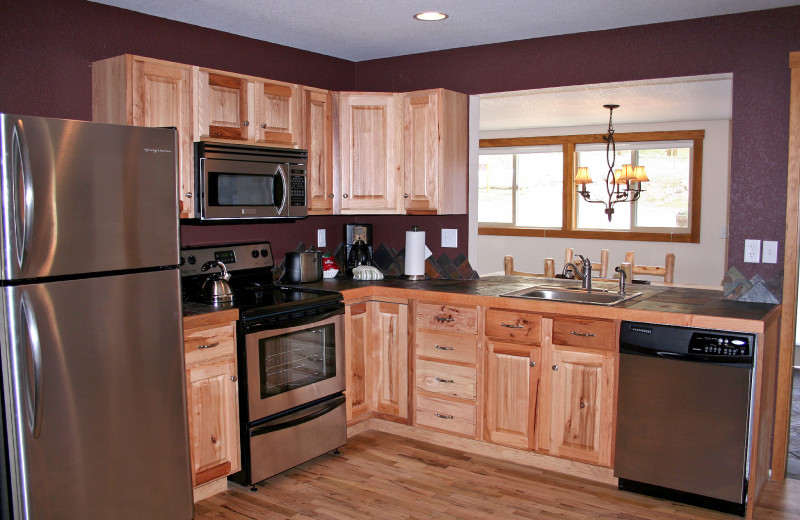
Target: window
x,y
526,187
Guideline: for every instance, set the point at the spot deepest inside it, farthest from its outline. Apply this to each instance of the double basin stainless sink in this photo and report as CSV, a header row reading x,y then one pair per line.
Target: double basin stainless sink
x,y
571,295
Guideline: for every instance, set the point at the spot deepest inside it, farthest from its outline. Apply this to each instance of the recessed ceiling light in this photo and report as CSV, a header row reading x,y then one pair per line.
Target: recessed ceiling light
x,y
430,16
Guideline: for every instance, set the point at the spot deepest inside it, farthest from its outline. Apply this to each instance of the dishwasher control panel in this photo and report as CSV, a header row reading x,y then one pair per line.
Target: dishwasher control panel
x,y
710,343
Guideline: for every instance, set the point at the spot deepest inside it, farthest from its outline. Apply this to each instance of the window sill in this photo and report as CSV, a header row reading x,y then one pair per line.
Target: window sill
x,y
597,235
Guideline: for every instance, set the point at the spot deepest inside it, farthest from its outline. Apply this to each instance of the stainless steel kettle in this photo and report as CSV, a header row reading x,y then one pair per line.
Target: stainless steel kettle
x,y
216,289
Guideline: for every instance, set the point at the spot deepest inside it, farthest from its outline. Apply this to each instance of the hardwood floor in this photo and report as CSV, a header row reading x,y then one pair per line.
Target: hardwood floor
x,y
381,475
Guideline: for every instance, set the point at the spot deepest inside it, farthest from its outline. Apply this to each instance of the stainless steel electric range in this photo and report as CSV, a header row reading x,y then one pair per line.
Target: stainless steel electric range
x,y
290,354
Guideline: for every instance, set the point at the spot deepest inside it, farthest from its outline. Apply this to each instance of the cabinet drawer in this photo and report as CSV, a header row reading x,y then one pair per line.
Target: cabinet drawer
x,y
206,343
447,317
447,346
453,380
445,415
584,333
519,326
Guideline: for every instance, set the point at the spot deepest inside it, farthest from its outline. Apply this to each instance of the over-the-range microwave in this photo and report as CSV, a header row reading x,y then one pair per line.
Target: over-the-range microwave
x,y
237,181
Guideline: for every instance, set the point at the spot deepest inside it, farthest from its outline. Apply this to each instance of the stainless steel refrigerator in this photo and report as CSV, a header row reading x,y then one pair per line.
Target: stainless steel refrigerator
x,y
94,400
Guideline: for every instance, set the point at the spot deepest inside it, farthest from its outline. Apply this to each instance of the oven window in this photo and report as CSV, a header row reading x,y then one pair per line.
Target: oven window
x,y
234,189
297,359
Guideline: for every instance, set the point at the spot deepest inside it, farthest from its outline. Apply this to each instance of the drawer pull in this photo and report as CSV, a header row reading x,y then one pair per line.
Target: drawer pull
x,y
439,379
442,319
506,325
584,334
442,416
210,345
444,348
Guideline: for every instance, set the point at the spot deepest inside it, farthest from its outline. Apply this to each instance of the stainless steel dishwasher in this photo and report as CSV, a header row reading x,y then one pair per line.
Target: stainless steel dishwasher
x,y
683,414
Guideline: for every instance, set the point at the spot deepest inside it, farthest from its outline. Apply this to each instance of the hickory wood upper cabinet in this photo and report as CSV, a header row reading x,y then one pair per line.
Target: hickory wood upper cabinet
x,y
578,386
235,107
370,143
376,358
317,138
133,90
435,142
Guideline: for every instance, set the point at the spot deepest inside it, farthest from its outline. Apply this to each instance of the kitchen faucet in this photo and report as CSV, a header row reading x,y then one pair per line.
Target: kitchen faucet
x,y
584,275
622,276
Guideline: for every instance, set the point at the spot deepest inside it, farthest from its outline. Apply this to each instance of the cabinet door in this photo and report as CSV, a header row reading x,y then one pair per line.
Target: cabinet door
x,y
511,386
357,331
277,113
389,351
581,405
213,420
421,152
370,145
223,106
318,141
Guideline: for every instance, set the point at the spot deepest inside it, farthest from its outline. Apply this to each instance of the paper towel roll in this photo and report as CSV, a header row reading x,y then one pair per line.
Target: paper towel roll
x,y
415,253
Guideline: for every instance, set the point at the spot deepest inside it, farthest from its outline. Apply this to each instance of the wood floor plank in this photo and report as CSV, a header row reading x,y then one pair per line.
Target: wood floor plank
x,y
385,476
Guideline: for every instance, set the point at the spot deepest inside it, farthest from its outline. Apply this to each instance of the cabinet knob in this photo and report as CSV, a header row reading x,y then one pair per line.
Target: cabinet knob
x,y
330,195
344,195
405,195
234,378
532,364
555,367
263,125
188,194
245,123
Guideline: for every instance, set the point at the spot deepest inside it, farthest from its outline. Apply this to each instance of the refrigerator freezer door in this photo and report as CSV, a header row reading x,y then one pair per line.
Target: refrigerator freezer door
x,y
81,197
94,397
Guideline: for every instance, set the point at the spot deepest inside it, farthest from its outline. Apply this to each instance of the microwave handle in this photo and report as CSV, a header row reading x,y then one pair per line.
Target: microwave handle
x,y
284,170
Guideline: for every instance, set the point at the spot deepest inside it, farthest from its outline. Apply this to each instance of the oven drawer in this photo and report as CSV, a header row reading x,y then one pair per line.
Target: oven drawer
x,y
206,343
447,317
447,346
445,415
451,380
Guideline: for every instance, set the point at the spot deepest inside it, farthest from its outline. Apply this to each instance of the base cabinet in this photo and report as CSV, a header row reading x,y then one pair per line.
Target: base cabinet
x,y
213,404
376,357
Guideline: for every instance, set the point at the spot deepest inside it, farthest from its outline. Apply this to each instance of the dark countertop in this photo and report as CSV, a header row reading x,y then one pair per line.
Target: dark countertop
x,y
662,299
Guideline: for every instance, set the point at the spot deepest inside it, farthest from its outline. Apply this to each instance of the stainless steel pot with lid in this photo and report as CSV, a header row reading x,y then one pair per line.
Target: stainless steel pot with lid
x,y
216,289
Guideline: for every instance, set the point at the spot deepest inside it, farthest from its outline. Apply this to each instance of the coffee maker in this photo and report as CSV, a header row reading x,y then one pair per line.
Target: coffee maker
x,y
358,246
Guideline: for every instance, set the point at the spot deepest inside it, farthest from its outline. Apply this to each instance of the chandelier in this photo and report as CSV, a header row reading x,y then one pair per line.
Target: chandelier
x,y
622,185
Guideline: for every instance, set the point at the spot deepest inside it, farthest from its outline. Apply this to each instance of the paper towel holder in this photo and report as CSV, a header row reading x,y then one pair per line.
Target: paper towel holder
x,y
415,277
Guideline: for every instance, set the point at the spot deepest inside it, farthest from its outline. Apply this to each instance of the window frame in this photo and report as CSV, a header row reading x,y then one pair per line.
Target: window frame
x,y
568,222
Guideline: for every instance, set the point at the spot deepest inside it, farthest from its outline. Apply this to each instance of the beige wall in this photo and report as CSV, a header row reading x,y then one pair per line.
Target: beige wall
x,y
702,263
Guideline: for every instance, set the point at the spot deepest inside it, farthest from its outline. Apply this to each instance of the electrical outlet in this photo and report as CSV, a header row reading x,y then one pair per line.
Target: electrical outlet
x,y
769,252
449,238
321,242
752,251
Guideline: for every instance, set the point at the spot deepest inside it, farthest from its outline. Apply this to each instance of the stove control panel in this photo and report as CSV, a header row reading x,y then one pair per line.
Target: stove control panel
x,y
236,257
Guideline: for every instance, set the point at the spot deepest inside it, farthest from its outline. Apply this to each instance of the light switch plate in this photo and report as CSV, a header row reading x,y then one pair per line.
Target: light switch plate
x,y
321,239
449,238
769,252
752,251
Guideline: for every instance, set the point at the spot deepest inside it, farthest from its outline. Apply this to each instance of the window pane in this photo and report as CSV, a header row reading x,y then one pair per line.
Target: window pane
x,y
664,202
592,215
495,188
540,181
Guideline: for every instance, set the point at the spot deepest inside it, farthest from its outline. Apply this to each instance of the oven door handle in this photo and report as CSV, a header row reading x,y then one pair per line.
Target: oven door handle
x,y
299,417
258,324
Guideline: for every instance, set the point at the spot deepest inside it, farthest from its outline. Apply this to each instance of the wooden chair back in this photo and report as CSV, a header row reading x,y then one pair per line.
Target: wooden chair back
x,y
549,268
600,268
667,270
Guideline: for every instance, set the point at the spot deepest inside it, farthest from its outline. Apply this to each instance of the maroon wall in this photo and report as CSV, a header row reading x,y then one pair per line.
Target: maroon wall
x,y
754,47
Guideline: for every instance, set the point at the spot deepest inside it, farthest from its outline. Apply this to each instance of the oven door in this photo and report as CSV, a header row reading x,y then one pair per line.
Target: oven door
x,y
242,189
294,365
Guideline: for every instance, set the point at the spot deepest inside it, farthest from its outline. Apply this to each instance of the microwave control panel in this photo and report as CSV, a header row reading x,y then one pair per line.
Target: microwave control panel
x,y
297,190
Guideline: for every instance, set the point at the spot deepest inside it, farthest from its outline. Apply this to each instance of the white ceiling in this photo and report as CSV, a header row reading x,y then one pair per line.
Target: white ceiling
x,y
698,98
358,30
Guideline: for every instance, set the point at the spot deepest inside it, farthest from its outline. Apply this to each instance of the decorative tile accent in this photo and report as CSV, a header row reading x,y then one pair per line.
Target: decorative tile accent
x,y
757,289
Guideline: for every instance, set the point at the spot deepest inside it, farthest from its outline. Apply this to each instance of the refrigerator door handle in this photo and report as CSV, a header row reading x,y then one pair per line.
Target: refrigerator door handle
x,y
21,188
33,398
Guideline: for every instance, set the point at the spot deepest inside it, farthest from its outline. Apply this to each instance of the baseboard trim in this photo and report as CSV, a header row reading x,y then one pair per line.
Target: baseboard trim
x,y
526,458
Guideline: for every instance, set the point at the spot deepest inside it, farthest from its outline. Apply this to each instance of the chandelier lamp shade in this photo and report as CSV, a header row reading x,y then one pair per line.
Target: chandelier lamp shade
x,y
622,185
